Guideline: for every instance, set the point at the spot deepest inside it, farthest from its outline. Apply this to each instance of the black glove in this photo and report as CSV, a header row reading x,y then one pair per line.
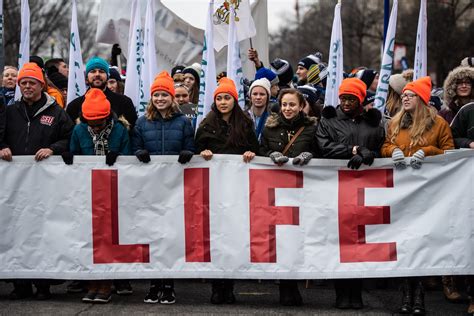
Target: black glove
x,y
116,50
185,156
368,156
143,155
355,162
111,158
68,157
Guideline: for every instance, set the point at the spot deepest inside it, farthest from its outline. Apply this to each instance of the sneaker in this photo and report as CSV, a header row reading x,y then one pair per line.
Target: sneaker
x,y
153,296
168,297
102,297
89,297
76,287
123,287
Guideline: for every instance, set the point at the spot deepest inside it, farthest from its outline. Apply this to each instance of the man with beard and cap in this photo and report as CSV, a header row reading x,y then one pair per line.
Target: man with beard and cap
x,y
35,125
97,73
349,132
304,65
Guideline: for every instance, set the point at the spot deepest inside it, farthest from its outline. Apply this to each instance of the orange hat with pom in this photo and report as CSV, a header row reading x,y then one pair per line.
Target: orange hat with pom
x,y
163,82
31,70
95,106
226,85
422,87
355,87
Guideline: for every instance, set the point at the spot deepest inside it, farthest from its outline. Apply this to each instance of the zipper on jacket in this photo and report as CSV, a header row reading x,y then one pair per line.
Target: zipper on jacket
x,y
27,130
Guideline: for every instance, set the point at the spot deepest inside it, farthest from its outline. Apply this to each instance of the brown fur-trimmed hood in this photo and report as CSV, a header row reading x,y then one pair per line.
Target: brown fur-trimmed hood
x,y
449,85
274,120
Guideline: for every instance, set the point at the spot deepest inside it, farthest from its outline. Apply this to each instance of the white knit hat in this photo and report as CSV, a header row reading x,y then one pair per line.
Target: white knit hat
x,y
262,82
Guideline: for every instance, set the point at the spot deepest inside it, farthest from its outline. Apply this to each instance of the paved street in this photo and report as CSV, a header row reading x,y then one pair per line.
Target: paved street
x,y
252,298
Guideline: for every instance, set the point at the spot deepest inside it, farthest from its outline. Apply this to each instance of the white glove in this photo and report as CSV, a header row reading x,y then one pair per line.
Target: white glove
x,y
417,159
398,159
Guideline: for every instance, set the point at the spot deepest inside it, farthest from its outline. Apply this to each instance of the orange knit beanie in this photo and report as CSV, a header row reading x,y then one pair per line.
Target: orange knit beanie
x,y
95,106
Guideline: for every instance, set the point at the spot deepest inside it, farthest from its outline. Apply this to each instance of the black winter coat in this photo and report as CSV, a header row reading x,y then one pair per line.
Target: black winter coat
x,y
121,105
462,126
212,137
278,131
338,133
49,127
3,118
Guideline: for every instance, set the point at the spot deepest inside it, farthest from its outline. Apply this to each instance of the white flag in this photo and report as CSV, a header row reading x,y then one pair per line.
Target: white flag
x,y
387,61
133,83
421,45
24,54
335,63
76,84
234,64
149,68
208,73
243,18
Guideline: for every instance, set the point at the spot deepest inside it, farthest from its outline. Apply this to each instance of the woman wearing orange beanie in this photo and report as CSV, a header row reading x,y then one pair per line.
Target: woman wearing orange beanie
x,y
226,130
163,130
416,131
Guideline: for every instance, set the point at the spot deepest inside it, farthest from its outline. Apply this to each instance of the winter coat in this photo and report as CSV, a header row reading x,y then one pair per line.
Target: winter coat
x,y
57,96
214,138
9,95
163,136
278,132
82,144
463,126
3,118
338,133
451,105
49,127
258,123
121,105
438,139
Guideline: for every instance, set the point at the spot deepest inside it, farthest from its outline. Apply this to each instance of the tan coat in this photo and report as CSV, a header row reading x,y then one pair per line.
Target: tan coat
x,y
438,139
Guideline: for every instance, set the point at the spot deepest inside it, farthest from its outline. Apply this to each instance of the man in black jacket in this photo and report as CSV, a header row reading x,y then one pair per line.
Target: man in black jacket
x,y
97,72
3,119
349,132
35,125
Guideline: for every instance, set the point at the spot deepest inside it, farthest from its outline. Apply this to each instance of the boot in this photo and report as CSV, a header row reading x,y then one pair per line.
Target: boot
x,y
229,296
449,289
289,293
218,295
470,309
343,295
419,299
356,294
407,297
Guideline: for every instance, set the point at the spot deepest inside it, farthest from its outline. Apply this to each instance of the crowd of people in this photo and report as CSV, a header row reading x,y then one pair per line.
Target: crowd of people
x,y
284,118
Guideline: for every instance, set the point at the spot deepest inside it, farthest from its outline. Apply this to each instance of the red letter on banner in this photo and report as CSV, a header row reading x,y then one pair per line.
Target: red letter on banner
x,y
196,215
353,216
105,223
264,215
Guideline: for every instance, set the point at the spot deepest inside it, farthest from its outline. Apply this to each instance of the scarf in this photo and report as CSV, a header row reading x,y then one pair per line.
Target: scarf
x,y
100,140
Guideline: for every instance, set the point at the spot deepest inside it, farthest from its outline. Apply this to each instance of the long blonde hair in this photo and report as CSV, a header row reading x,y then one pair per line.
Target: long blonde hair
x,y
152,113
422,120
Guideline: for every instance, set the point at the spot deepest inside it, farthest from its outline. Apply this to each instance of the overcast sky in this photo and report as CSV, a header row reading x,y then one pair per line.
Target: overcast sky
x,y
194,11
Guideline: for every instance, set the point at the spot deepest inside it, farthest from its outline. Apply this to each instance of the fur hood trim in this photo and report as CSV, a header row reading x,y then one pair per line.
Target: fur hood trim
x,y
449,85
273,120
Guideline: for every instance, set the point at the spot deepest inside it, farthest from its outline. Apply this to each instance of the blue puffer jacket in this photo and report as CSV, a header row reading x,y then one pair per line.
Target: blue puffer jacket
x,y
81,141
163,137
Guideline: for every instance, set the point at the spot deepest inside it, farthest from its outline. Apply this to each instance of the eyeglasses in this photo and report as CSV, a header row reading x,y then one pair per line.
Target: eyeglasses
x,y
464,82
348,99
409,96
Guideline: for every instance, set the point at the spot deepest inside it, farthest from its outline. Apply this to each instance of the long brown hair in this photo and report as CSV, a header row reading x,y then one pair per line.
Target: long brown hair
x,y
422,120
394,102
152,113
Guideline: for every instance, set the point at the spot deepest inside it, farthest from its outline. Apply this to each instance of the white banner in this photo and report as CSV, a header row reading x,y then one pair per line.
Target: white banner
x,y
134,88
387,61
228,219
421,44
208,74
234,64
336,62
76,84
24,53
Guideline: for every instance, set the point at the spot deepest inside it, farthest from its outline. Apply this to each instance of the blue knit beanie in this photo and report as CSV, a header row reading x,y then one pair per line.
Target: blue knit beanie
x,y
268,74
97,63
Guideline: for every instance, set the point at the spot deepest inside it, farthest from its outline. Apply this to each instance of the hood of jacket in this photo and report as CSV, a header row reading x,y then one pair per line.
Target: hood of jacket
x,y
449,85
274,120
